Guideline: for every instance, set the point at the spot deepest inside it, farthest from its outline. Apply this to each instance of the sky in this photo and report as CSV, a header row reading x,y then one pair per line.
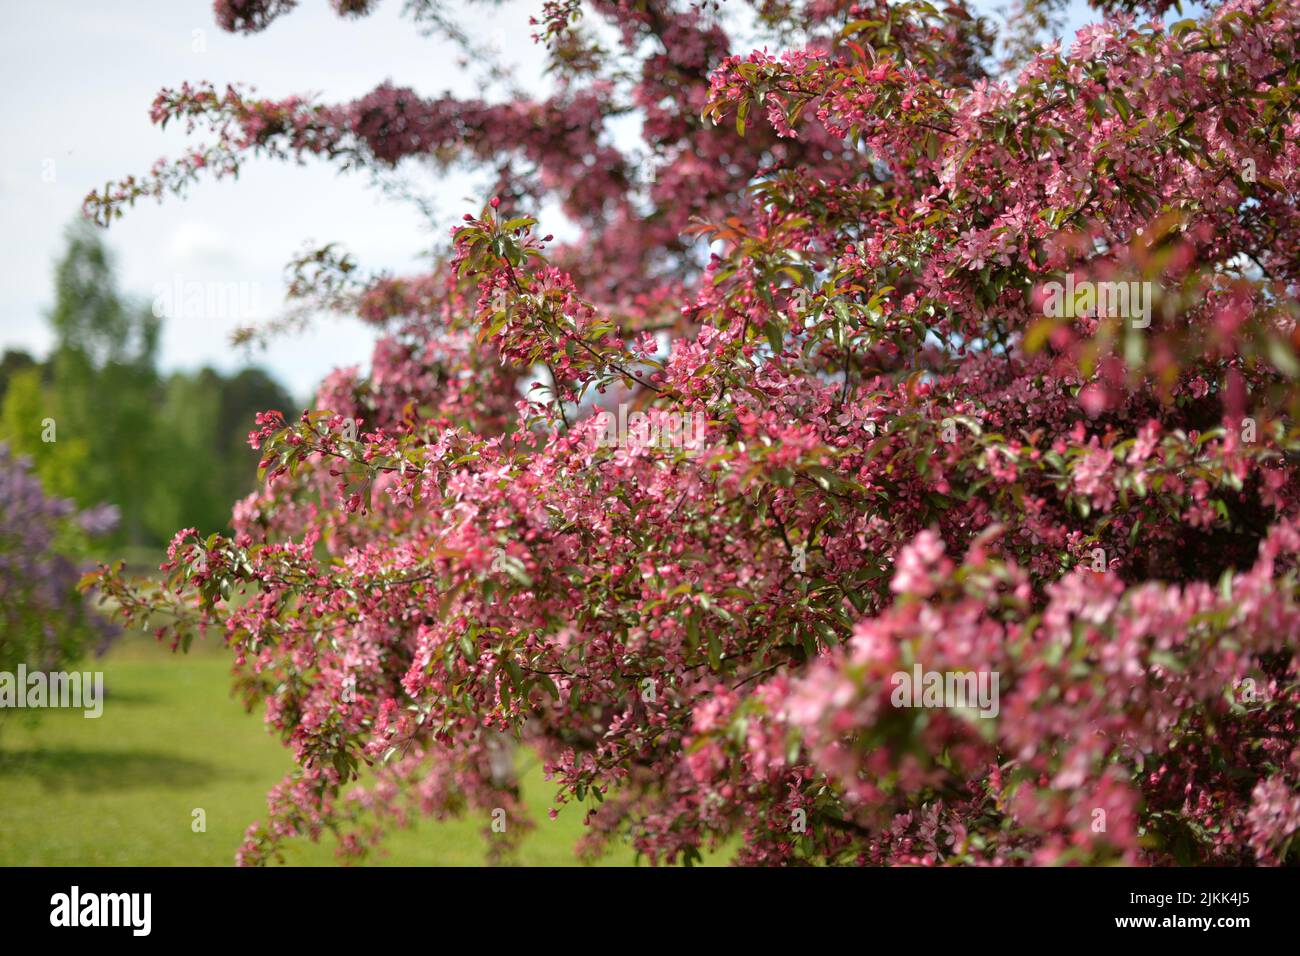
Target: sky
x,y
77,78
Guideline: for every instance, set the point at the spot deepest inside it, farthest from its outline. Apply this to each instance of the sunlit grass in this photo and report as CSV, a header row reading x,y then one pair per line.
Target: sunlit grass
x,y
120,790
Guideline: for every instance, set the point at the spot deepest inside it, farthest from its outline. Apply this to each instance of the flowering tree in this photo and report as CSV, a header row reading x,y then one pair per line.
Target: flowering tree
x,y
930,429
44,623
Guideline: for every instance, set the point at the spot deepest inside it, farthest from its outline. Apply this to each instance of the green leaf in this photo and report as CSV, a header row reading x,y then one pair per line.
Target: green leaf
x,y
1283,358
775,336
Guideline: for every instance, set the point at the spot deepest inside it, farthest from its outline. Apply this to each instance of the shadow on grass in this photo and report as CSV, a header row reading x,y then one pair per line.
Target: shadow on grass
x,y
134,697
60,769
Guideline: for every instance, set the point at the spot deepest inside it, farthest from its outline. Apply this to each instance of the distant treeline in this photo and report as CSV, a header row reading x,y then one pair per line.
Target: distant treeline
x,y
102,424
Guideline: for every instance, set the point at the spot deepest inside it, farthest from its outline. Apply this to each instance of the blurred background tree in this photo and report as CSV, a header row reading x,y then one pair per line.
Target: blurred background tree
x,y
96,415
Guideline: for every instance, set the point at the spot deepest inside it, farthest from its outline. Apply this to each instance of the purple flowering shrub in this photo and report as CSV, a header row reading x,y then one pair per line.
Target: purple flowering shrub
x,y
44,622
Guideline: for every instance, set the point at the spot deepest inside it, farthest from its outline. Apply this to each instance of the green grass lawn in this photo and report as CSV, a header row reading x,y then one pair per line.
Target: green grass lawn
x,y
120,790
